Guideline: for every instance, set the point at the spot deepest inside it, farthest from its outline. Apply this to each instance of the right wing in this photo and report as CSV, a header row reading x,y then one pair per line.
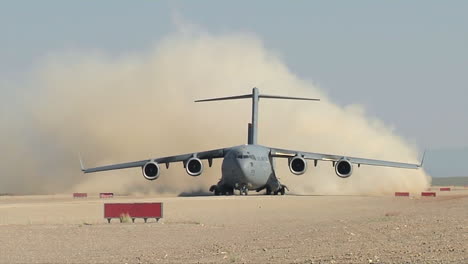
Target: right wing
x,y
209,155
285,153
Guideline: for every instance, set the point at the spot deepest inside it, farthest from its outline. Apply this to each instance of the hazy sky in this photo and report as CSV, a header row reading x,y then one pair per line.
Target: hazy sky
x,y
405,61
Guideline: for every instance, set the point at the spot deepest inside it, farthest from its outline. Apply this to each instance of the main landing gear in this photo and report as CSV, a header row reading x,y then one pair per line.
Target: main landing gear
x,y
244,190
225,190
221,190
281,190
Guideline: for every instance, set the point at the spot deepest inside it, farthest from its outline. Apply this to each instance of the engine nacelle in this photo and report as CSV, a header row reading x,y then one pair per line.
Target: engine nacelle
x,y
343,168
298,165
151,171
194,167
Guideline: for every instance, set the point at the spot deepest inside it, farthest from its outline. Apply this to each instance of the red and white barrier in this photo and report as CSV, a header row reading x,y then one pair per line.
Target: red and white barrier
x,y
402,194
428,194
445,189
106,195
133,210
80,195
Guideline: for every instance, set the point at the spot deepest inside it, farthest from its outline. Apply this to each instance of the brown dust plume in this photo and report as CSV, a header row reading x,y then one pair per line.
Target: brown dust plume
x,y
140,106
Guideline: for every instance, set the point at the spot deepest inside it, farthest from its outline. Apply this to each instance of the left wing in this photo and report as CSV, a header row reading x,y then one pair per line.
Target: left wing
x,y
209,155
285,153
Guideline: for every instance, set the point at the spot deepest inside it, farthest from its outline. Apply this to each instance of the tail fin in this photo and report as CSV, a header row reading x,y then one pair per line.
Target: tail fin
x,y
252,137
249,134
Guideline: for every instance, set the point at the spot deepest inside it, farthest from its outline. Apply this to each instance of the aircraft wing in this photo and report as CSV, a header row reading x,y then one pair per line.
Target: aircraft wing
x,y
284,153
209,155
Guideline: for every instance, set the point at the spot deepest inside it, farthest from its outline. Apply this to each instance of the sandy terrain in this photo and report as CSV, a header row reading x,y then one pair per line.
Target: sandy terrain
x,y
254,229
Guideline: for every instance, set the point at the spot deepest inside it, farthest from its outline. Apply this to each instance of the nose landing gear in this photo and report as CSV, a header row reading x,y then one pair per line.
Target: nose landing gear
x,y
244,190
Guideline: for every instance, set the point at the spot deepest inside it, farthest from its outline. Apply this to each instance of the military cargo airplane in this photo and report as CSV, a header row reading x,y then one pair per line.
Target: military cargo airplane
x,y
250,166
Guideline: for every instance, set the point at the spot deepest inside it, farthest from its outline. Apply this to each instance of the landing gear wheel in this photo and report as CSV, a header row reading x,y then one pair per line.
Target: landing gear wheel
x,y
282,191
268,191
215,189
244,190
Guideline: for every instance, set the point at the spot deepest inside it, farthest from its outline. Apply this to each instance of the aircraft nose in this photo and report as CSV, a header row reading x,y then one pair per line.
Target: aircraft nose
x,y
242,165
244,168
250,175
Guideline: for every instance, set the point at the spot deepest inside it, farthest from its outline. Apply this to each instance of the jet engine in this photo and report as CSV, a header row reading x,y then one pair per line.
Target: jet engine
x,y
298,165
194,167
151,171
343,168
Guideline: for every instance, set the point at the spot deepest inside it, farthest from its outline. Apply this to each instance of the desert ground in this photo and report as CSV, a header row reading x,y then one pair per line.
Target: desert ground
x,y
239,229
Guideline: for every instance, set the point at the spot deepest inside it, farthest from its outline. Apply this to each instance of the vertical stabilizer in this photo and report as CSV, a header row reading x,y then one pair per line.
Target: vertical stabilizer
x,y
255,99
249,134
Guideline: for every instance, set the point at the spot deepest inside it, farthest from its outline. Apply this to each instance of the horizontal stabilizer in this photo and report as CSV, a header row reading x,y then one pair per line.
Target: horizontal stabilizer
x,y
225,98
286,97
245,96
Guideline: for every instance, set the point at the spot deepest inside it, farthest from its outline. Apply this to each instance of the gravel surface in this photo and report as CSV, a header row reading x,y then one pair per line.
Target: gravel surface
x,y
235,229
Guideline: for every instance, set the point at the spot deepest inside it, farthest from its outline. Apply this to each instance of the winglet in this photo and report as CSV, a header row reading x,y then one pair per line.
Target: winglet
x,y
422,160
81,163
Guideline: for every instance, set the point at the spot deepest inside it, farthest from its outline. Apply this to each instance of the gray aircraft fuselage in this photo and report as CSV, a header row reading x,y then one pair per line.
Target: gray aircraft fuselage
x,y
250,166
247,165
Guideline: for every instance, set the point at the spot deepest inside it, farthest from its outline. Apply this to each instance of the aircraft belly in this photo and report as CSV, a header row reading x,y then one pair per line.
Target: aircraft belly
x,y
254,174
257,175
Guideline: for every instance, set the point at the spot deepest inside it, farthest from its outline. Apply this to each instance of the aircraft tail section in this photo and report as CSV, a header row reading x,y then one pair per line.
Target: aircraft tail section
x,y
286,97
249,134
253,127
225,98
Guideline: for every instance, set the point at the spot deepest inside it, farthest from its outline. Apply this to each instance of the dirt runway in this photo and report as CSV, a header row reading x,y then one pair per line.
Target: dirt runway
x,y
235,229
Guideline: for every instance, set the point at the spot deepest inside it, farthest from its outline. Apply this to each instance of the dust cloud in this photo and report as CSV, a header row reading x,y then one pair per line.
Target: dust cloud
x,y
140,106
